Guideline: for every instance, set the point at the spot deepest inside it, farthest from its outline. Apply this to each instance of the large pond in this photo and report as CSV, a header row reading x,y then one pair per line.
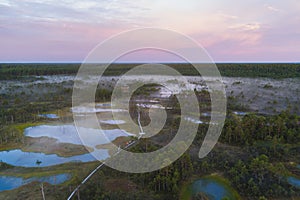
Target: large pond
x,y
211,188
11,182
62,134
69,134
30,159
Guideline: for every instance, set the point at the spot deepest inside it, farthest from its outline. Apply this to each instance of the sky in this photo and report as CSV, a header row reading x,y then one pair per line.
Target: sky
x,y
230,30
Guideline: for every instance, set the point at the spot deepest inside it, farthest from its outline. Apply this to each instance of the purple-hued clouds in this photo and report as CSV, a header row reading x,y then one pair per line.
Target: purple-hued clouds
x,y
230,30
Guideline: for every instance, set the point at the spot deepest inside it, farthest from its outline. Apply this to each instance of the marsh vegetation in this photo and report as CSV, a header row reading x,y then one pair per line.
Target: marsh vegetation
x,y
256,157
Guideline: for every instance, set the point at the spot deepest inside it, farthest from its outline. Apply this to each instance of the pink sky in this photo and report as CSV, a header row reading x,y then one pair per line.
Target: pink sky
x,y
230,30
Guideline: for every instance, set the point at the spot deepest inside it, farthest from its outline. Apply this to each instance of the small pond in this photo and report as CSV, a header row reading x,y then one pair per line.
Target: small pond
x,y
112,122
211,188
193,120
240,113
11,182
49,116
294,181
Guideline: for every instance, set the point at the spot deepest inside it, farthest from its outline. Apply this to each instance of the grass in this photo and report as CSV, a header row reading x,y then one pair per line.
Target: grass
x,y
186,190
23,126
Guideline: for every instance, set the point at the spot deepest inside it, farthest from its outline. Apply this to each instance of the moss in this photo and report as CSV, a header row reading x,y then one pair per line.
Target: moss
x,y
23,126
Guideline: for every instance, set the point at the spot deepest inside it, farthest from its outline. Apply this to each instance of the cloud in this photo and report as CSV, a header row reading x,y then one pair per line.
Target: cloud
x,y
90,11
246,27
227,16
271,8
50,29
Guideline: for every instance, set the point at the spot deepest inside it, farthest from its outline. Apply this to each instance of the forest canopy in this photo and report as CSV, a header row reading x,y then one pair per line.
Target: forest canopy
x,y
270,70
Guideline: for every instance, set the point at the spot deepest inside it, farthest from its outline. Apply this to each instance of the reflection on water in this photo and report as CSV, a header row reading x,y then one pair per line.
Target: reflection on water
x,y
30,159
66,134
294,181
63,134
11,182
193,120
112,122
240,113
90,109
49,116
69,134
212,189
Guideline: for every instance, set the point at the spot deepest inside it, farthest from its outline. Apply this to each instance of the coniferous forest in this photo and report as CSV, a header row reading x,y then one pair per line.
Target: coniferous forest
x,y
256,157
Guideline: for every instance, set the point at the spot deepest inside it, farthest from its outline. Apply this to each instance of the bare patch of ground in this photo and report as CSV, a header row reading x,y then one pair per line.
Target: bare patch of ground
x,y
50,146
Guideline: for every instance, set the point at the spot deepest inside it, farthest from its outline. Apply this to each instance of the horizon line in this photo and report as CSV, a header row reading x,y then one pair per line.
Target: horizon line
x,y
154,62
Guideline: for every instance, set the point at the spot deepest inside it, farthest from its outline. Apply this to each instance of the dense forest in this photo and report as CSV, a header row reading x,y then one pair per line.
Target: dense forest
x,y
288,70
254,158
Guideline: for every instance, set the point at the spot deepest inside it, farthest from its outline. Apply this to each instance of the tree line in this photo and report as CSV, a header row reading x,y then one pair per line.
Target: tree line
x,y
270,70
